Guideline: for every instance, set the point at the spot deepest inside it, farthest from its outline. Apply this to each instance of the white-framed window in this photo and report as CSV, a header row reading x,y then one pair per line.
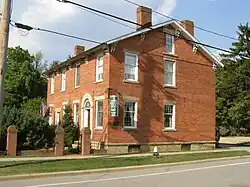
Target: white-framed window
x,y
130,114
50,116
99,114
52,85
169,73
57,118
170,44
131,67
77,76
169,116
64,107
76,114
99,68
63,82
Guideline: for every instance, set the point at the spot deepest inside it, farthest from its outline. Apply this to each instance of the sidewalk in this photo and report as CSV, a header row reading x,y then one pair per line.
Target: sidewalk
x,y
72,157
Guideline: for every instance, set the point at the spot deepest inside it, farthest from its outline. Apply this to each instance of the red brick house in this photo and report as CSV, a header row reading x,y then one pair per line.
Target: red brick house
x,y
139,90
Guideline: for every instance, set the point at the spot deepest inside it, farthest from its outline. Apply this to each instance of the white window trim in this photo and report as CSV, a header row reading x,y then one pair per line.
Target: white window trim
x,y
135,117
173,49
96,110
52,85
74,115
63,90
136,68
174,73
96,69
76,75
173,128
57,122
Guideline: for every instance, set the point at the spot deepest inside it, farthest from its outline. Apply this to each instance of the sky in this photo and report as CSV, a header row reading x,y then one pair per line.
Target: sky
x,y
221,16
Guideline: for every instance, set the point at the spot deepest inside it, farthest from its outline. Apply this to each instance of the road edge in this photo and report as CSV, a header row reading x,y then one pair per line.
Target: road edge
x,y
80,172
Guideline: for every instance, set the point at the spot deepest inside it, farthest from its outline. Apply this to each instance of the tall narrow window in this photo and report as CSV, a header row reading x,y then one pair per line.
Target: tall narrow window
x,y
76,114
99,114
64,107
131,67
130,114
57,118
169,73
52,85
99,68
63,83
169,116
50,116
169,44
77,76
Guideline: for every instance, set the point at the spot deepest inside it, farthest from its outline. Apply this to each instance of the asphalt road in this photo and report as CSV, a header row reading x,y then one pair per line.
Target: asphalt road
x,y
233,173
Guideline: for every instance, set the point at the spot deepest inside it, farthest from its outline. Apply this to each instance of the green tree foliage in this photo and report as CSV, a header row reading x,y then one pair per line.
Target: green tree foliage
x,y
233,87
70,129
24,79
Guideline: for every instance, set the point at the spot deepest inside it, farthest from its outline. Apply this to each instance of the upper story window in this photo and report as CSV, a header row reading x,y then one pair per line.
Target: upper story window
x,y
169,73
99,68
77,76
63,81
52,85
130,114
169,116
131,67
169,44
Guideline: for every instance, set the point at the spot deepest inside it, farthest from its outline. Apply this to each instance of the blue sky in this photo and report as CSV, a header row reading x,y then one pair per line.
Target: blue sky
x,y
218,15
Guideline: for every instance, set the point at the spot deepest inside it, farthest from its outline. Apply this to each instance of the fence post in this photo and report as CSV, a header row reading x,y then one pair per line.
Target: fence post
x,y
59,147
85,141
11,141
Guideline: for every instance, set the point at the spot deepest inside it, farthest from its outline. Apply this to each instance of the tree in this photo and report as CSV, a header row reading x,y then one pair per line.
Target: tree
x,y
23,79
233,87
70,129
54,64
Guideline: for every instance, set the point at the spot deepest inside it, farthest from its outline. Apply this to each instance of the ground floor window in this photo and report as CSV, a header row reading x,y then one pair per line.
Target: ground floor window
x,y
57,118
169,116
130,114
99,113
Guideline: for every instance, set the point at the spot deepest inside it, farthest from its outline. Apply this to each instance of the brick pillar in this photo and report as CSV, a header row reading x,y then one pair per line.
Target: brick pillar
x,y
11,141
85,132
59,149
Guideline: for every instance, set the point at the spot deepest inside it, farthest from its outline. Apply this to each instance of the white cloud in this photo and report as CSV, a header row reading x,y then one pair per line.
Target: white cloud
x,y
66,18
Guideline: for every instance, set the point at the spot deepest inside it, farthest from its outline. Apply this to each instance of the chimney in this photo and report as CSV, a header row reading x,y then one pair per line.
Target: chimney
x,y
188,25
79,49
144,17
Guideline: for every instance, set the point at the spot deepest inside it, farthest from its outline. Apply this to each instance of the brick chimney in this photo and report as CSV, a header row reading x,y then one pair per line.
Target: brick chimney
x,y
144,17
78,50
188,25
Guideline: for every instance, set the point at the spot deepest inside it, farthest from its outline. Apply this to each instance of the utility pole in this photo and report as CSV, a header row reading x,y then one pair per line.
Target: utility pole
x,y
4,38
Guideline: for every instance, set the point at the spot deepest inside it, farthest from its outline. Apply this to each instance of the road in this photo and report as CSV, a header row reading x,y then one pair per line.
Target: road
x,y
233,173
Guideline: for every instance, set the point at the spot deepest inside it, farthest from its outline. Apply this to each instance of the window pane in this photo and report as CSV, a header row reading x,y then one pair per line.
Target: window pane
x,y
169,44
99,113
168,116
129,114
168,121
130,60
168,78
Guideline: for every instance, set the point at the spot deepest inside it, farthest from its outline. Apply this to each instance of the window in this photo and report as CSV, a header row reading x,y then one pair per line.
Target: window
x,y
99,68
169,73
63,83
130,114
99,114
76,114
169,44
57,118
131,67
64,107
52,85
77,76
50,116
169,116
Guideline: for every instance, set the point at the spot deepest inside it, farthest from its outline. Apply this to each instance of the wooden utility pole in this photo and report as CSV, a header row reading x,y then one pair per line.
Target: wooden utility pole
x,y
4,38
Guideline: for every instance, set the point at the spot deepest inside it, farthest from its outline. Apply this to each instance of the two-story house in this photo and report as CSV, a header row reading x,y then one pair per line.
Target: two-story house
x,y
153,86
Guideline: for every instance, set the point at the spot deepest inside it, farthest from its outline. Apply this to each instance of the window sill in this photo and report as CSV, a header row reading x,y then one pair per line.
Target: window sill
x,y
98,81
77,87
99,128
170,54
169,130
63,91
169,86
129,128
131,81
52,93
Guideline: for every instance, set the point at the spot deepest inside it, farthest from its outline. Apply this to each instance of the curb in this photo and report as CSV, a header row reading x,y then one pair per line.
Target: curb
x,y
80,172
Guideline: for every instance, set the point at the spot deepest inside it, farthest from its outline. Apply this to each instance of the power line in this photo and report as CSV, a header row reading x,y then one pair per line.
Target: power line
x,y
29,28
172,18
131,22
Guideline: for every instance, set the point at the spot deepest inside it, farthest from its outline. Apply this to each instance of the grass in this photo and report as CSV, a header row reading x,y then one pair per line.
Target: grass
x,y
31,167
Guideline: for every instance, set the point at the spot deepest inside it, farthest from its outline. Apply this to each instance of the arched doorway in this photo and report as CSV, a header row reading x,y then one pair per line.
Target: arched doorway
x,y
87,112
87,118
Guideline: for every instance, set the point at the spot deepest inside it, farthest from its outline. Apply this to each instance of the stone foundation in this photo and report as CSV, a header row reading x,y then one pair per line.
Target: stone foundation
x,y
162,147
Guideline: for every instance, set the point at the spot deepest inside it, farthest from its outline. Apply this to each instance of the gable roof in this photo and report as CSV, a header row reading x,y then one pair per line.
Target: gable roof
x,y
173,23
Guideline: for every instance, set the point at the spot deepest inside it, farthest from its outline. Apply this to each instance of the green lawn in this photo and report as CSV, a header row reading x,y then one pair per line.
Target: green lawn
x,y
28,167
